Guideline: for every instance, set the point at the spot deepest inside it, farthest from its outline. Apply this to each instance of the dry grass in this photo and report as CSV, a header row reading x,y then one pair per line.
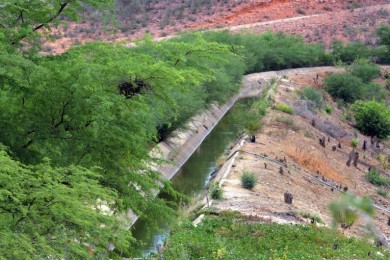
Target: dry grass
x,y
314,162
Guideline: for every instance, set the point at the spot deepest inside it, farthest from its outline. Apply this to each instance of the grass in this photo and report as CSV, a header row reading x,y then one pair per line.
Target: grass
x,y
248,180
288,122
233,236
216,191
284,108
373,177
307,215
382,192
328,109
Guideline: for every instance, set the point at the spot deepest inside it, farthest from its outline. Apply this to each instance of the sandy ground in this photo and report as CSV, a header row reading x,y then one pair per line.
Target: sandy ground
x,y
305,163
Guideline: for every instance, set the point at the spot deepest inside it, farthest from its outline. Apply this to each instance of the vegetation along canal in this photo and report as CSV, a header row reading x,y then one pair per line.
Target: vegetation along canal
x,y
192,178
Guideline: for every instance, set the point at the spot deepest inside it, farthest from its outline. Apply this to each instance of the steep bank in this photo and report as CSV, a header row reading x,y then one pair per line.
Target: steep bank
x,y
292,160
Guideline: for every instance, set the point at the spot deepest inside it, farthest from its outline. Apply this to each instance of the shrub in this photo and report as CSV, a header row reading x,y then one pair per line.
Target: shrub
x,y
313,95
365,70
216,191
345,86
373,177
374,91
372,118
349,52
328,109
382,192
288,122
354,143
248,180
388,84
284,108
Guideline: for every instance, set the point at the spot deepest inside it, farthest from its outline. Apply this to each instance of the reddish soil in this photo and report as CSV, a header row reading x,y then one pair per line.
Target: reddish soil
x,y
344,20
292,140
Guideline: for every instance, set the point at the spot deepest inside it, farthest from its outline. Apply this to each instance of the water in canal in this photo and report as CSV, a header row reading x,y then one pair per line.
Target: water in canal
x,y
195,173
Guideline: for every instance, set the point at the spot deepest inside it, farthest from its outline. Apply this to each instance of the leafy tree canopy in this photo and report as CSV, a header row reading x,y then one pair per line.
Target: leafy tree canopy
x,y
61,212
372,118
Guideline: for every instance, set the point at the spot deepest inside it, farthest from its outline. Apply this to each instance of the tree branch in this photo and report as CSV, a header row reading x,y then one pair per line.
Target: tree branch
x,y
62,7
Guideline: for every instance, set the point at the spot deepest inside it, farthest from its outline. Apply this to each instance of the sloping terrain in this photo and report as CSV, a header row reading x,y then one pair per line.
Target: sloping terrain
x,y
316,20
292,160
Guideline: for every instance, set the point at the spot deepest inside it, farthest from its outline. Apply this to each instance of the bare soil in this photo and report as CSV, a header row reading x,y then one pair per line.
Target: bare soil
x,y
320,21
306,165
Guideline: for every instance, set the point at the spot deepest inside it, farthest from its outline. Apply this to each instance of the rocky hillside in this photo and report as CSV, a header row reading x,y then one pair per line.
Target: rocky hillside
x,y
315,20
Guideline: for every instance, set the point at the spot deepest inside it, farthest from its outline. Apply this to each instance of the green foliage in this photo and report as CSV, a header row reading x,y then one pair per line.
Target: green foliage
x,y
56,212
216,191
248,180
349,52
388,84
284,108
345,210
270,51
313,95
231,235
365,70
355,143
307,215
288,122
373,177
345,86
384,193
23,19
372,118
328,109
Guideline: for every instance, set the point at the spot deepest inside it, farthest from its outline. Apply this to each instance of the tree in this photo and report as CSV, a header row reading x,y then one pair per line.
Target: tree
x,y
20,19
372,118
57,212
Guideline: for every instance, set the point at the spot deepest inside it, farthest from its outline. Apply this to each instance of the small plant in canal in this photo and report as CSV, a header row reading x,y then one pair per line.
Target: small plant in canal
x,y
248,180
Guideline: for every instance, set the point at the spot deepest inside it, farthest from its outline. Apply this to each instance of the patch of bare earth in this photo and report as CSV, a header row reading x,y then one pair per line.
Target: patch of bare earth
x,y
303,165
316,20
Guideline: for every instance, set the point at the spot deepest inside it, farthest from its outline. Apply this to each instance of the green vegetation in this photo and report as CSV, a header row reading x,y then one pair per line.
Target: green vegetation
x,y
365,70
372,118
284,108
384,193
216,191
270,51
248,180
328,109
346,210
354,143
231,236
288,122
313,95
76,129
345,87
374,177
307,215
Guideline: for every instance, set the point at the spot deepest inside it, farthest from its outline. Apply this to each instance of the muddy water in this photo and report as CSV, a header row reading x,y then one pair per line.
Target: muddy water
x,y
193,177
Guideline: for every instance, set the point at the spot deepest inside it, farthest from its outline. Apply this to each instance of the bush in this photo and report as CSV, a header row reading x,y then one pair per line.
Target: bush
x,y
374,91
372,118
350,52
284,108
373,177
354,143
313,95
216,191
382,192
388,84
248,180
328,109
345,86
365,70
